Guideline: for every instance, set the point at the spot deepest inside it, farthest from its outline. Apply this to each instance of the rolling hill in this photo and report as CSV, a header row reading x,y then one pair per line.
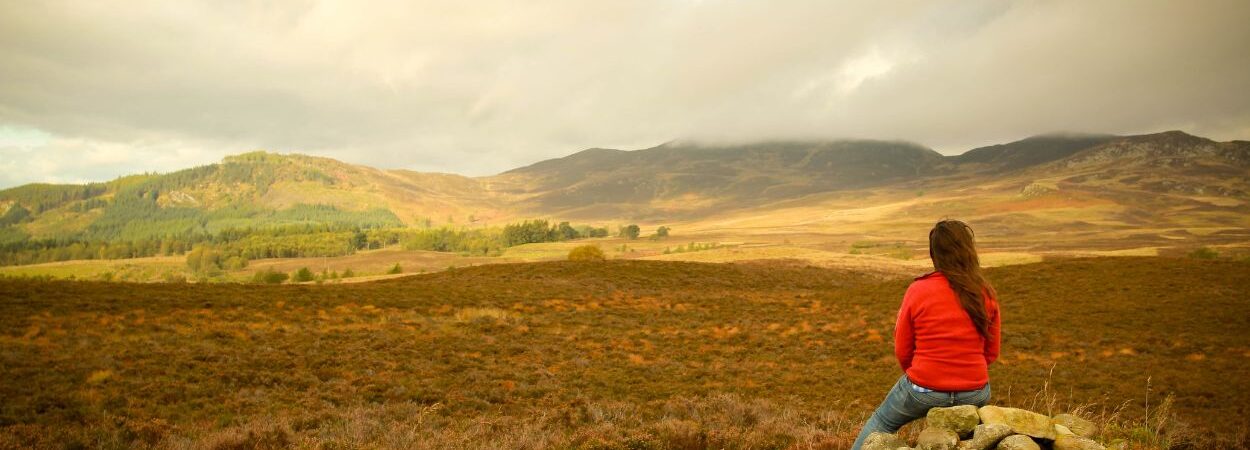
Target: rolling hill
x,y
1058,190
690,178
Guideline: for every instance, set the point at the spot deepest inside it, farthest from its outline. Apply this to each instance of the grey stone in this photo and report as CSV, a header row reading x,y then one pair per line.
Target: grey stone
x,y
1074,442
936,439
960,419
1018,442
1077,425
883,441
986,436
1021,421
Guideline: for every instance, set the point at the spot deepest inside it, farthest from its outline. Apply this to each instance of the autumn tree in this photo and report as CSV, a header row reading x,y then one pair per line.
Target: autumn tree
x,y
629,231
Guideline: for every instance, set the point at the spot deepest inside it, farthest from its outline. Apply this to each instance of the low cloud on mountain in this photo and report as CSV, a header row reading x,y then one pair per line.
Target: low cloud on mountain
x,y
89,91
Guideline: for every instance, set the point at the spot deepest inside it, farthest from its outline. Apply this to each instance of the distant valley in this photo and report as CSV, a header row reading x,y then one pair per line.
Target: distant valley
x,y
1145,194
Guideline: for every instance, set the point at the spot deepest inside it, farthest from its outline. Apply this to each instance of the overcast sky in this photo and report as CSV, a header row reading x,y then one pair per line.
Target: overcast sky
x,y
90,90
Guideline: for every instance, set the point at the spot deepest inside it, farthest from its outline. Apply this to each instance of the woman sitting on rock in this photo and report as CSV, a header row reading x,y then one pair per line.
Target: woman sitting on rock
x,y
946,335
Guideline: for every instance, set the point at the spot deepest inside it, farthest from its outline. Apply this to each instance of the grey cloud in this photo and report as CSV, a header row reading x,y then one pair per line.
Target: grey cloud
x,y
479,87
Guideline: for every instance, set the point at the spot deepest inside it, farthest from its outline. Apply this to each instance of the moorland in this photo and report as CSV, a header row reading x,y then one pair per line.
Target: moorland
x,y
613,354
747,299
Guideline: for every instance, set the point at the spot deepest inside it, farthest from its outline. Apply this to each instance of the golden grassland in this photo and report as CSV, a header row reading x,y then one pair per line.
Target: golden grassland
x,y
880,230
883,254
368,264
617,354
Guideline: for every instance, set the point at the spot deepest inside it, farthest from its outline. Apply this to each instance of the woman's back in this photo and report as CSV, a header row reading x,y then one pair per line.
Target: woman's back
x,y
946,336
936,342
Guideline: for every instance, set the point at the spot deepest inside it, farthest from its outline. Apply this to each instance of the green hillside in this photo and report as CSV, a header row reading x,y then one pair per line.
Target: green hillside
x,y
306,206
255,206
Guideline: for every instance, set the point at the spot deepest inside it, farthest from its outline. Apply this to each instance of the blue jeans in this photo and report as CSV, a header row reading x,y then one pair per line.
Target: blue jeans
x,y
904,404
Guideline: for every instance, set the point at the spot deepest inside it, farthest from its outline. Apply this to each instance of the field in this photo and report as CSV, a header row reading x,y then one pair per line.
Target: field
x,y
621,354
366,265
879,230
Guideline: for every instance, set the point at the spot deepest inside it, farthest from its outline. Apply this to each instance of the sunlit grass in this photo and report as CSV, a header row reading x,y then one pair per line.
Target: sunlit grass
x,y
565,353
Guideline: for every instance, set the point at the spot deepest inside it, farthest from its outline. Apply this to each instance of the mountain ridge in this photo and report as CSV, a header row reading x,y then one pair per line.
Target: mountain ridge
x,y
674,180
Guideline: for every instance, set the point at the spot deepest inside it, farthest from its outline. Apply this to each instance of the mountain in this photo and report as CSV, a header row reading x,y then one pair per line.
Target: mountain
x,y
1027,152
1150,177
691,180
679,177
1169,162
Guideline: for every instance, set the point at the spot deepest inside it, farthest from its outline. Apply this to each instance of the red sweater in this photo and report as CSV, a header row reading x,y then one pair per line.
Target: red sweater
x,y
935,341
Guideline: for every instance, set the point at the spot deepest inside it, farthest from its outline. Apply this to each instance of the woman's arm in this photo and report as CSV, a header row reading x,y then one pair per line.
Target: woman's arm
x,y
904,335
993,344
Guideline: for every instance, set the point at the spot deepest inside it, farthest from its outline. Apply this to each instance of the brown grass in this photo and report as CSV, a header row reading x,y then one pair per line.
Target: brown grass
x,y
616,354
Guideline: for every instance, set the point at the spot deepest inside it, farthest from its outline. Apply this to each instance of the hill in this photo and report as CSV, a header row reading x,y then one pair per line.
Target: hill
x,y
1158,192
246,190
618,354
690,178
1027,152
1165,192
262,204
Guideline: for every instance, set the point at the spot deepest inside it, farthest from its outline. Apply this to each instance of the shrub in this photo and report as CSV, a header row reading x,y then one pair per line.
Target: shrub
x,y
347,273
236,263
269,276
396,269
302,275
1204,253
586,253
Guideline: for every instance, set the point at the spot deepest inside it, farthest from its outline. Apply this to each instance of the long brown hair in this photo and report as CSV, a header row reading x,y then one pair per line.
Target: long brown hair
x,y
953,250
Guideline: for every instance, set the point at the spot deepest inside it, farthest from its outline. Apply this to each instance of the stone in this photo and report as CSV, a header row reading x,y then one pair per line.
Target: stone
x,y
1074,442
936,439
960,419
1077,425
986,436
1018,442
883,441
1061,430
1021,421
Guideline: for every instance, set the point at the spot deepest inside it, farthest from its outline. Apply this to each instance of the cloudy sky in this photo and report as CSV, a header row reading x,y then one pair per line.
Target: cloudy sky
x,y
90,90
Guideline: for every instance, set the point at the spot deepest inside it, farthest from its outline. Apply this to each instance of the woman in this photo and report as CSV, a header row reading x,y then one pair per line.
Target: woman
x,y
946,335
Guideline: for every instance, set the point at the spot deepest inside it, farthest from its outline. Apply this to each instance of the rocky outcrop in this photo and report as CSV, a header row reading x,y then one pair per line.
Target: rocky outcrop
x,y
994,427
1021,421
1076,425
1074,442
985,436
1034,190
883,441
937,439
959,419
1018,442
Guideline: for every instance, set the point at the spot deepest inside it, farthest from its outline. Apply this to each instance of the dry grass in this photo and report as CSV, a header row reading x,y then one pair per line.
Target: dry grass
x,y
616,354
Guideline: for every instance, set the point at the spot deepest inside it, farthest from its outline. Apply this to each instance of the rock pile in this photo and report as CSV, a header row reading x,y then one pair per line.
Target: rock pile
x,y
992,427
1036,190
